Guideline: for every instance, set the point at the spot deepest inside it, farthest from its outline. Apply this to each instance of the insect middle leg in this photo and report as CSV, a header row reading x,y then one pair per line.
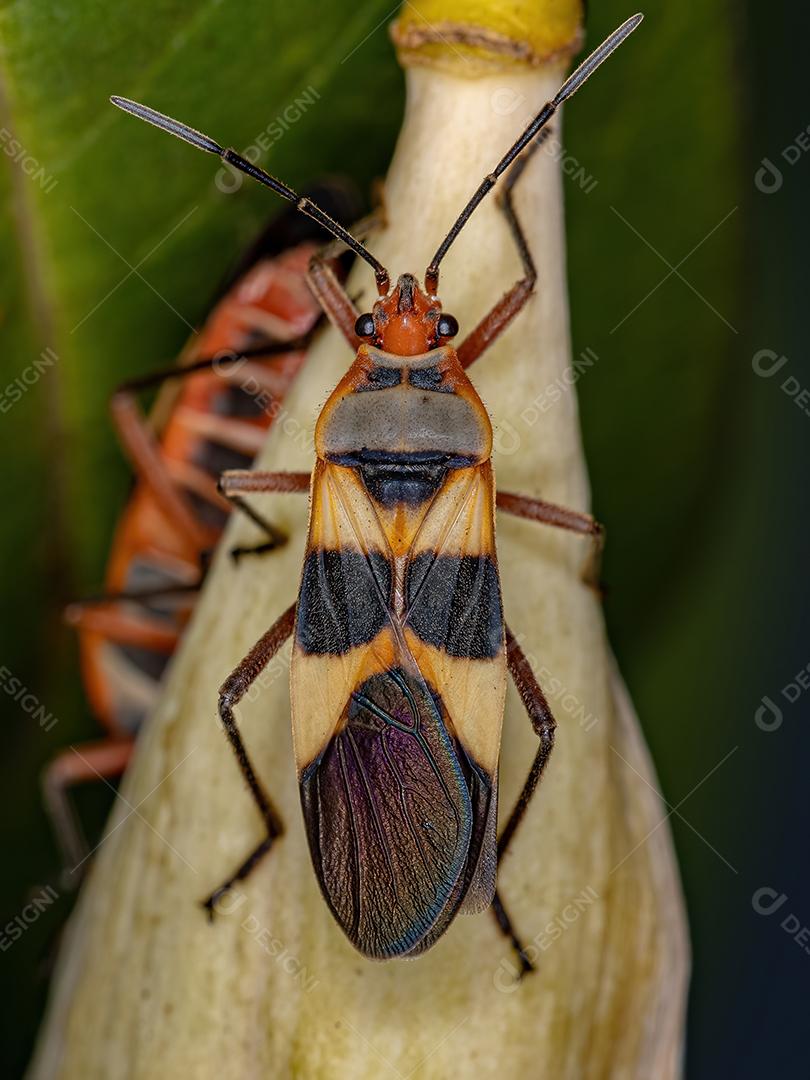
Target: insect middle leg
x,y
231,693
561,517
542,720
236,483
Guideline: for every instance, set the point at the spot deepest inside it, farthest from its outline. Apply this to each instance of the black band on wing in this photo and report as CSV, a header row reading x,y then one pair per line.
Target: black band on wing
x,y
454,603
343,600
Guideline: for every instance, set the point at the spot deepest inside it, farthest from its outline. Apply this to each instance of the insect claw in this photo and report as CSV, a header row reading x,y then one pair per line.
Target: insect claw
x,y
210,903
526,966
237,553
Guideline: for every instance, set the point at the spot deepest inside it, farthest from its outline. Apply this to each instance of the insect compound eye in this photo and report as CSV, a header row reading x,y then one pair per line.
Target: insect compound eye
x,y
364,327
447,326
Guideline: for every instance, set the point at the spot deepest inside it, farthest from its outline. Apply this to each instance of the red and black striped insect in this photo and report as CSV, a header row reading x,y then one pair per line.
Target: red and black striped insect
x,y
401,653
212,413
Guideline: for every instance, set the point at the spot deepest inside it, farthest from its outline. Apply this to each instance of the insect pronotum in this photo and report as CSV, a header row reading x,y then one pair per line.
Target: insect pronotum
x,y
400,652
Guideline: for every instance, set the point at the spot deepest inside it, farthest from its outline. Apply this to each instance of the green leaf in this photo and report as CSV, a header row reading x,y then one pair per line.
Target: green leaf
x,y
658,143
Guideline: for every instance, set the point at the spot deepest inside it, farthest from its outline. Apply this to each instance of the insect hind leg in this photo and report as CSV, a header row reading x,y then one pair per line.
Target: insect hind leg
x,y
544,725
231,693
542,720
244,871
507,929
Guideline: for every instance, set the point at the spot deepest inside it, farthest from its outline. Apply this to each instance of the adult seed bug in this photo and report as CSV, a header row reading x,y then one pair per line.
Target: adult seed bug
x,y
212,411
401,653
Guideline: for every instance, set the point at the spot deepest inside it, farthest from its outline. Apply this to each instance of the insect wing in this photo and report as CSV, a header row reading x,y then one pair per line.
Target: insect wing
x,y
386,802
388,816
454,630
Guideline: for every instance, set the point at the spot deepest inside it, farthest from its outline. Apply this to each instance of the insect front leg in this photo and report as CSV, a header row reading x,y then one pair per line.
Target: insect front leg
x,y
561,517
236,483
511,303
231,693
324,283
334,299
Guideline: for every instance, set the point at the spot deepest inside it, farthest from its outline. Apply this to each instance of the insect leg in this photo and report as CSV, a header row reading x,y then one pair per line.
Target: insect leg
x,y
105,760
511,303
122,627
230,694
236,482
544,726
574,81
275,538
560,517
507,929
224,363
142,449
108,758
136,595
333,298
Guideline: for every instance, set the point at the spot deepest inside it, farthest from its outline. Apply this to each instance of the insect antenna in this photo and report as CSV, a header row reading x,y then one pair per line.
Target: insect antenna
x,y
569,87
302,202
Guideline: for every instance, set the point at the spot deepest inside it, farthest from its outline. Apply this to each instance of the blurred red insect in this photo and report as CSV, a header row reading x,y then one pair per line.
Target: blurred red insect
x,y
212,413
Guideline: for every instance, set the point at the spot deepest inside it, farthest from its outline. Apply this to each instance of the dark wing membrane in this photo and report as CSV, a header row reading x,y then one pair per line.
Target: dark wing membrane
x,y
482,864
475,888
389,817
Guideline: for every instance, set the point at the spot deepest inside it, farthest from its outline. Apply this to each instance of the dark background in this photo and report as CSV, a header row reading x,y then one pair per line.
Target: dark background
x,y
698,463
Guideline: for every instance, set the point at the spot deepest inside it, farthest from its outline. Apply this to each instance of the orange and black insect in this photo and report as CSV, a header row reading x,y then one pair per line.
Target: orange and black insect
x,y
212,413
401,652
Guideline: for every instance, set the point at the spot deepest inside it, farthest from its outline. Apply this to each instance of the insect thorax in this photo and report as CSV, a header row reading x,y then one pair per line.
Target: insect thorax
x,y
403,422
